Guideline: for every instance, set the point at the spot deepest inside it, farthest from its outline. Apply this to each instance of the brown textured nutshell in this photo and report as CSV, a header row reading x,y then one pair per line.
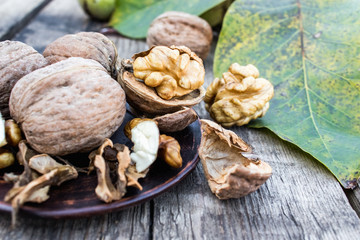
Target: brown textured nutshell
x,y
176,121
16,60
179,28
68,107
89,45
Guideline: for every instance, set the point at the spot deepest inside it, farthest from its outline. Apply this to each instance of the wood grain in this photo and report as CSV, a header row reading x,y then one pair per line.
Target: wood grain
x,y
15,14
302,200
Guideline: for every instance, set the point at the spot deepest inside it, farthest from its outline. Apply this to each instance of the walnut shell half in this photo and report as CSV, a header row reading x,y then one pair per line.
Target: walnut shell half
x,y
229,173
16,60
68,107
145,99
176,121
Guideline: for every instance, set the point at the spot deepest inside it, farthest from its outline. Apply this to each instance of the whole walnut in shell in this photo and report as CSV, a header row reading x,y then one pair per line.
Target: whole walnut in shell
x,y
68,107
173,71
89,45
239,96
179,28
16,60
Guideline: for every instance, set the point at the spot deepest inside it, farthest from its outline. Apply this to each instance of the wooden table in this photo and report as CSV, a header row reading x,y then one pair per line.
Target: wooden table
x,y
302,200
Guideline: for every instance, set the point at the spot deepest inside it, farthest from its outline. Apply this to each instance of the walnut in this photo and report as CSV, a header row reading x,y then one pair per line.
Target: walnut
x,y
229,173
16,60
10,136
179,28
6,158
239,96
145,135
173,71
68,107
169,151
89,45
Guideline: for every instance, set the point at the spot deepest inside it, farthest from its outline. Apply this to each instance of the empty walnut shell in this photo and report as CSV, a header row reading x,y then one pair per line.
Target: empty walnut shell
x,y
68,107
89,45
146,100
16,60
229,173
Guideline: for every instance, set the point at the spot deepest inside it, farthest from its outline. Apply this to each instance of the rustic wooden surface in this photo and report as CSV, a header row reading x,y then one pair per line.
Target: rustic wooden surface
x,y
302,200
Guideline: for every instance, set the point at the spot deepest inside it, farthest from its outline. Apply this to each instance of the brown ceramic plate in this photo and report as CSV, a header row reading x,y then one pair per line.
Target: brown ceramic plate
x,y
77,197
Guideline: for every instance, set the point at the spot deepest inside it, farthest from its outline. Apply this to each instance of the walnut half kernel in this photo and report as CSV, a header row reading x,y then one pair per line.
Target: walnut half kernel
x,y
239,96
173,71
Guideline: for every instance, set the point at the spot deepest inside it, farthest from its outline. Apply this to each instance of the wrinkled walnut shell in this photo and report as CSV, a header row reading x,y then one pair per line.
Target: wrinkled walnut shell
x,y
229,173
68,107
16,60
145,99
180,28
89,45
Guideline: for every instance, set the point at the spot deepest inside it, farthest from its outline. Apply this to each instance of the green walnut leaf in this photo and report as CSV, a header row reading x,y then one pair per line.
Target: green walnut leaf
x,y
132,18
310,51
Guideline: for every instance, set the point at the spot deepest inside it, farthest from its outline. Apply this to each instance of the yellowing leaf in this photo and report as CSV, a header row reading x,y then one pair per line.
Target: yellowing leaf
x,y
310,51
132,18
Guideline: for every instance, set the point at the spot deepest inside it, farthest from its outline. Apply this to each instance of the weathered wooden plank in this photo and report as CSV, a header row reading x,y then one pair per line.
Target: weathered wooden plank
x,y
15,14
354,199
61,17
57,19
131,223
301,200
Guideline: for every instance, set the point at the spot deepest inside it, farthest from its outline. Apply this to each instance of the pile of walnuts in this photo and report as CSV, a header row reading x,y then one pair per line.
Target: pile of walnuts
x,y
72,99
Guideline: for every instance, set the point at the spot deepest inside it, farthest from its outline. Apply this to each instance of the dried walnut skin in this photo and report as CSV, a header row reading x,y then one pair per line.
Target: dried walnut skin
x,y
229,173
89,45
67,107
239,96
173,71
179,28
16,60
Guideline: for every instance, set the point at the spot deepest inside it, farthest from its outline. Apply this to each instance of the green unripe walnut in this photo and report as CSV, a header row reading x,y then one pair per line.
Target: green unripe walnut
x,y
98,9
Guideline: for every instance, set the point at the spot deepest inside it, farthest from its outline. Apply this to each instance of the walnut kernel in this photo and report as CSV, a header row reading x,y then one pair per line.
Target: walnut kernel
x,y
239,96
172,71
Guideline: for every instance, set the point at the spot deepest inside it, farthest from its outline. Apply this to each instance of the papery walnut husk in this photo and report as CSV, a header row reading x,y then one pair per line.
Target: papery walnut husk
x,y
40,172
68,107
114,173
229,173
16,60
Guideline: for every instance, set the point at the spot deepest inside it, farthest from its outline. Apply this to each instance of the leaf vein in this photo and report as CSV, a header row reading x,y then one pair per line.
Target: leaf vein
x,y
278,47
306,83
326,102
335,74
